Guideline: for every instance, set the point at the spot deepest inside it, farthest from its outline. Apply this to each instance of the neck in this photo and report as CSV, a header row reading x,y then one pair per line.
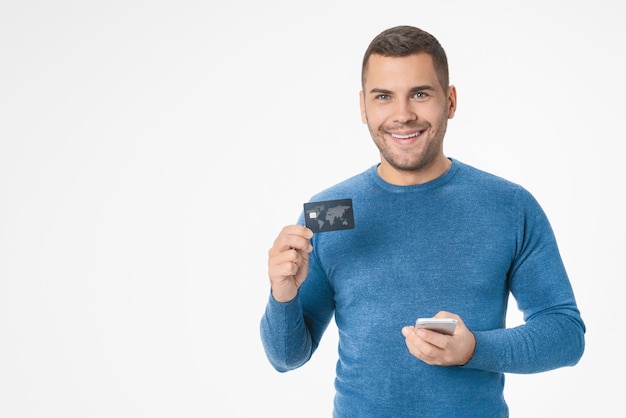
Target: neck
x,y
399,177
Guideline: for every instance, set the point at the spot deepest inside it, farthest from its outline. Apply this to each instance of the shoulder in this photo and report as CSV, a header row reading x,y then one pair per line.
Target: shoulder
x,y
483,180
470,173
483,186
359,183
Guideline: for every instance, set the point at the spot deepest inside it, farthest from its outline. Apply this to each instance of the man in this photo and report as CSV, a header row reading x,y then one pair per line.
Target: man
x,y
432,237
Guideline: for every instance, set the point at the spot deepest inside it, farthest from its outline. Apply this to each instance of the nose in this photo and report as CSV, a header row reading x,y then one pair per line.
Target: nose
x,y
404,112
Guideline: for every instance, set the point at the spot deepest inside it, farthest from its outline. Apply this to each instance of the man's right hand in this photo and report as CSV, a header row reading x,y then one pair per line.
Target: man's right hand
x,y
289,261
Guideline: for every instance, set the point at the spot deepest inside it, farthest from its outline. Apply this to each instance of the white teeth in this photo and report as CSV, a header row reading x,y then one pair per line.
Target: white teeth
x,y
405,136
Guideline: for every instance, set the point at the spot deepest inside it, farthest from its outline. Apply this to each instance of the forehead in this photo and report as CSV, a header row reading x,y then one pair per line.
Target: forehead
x,y
412,70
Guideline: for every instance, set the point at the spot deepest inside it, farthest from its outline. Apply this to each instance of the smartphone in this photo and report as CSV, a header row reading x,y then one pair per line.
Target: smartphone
x,y
442,325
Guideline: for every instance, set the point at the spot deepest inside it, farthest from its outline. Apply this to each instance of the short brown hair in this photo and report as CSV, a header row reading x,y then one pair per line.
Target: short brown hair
x,y
402,41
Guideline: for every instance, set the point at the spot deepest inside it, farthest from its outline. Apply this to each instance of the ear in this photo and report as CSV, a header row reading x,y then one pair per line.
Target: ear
x,y
451,101
362,104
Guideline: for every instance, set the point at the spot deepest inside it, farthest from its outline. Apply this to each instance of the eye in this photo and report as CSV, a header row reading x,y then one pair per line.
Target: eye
x,y
382,97
420,95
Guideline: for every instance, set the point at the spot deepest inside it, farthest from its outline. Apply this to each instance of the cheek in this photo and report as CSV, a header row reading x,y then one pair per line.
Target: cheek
x,y
374,117
437,116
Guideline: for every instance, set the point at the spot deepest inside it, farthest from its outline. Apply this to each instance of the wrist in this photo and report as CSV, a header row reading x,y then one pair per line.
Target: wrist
x,y
284,295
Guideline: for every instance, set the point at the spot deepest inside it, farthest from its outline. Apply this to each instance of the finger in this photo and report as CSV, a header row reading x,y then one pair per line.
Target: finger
x,y
446,314
434,338
428,353
297,230
283,270
287,241
287,263
288,255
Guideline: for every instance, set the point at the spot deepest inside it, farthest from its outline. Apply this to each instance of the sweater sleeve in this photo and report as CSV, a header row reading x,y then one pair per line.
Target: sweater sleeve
x,y
292,331
552,335
284,335
549,341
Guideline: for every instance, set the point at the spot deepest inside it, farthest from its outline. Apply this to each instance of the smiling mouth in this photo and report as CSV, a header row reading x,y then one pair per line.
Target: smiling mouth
x,y
413,135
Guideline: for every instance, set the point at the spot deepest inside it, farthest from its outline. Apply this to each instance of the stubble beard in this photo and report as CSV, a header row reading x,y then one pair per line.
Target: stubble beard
x,y
411,158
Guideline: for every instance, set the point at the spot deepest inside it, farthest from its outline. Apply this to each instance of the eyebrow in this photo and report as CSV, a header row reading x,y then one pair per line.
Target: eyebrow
x,y
413,90
422,88
380,91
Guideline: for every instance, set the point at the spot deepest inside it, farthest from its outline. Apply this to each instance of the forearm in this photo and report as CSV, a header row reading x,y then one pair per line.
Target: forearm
x,y
284,334
547,342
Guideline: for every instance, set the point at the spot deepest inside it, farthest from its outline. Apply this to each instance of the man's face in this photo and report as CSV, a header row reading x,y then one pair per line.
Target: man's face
x,y
407,112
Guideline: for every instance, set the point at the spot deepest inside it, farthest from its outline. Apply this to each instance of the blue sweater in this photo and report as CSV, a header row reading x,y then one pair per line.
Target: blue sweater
x,y
461,243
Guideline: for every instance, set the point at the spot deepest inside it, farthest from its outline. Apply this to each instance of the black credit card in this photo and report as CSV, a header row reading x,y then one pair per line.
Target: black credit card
x,y
329,215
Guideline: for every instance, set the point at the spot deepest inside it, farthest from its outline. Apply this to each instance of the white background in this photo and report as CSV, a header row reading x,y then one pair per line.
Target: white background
x,y
150,151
